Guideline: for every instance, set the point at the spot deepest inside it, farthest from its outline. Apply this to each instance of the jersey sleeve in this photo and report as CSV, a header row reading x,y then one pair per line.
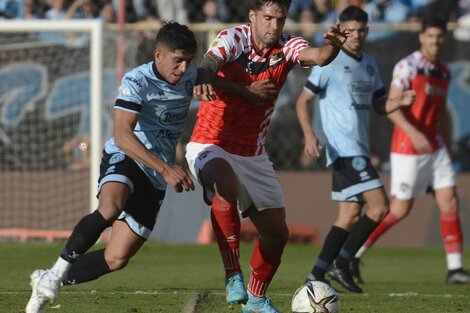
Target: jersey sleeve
x,y
402,75
379,89
130,93
293,47
228,44
316,81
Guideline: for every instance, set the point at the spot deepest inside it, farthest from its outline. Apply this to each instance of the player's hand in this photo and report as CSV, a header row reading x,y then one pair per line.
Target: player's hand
x,y
177,177
204,92
408,97
420,142
263,91
336,36
312,146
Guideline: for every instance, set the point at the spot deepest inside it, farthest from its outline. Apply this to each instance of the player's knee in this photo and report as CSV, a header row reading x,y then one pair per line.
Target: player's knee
x,y
450,205
116,262
110,212
378,212
277,238
226,190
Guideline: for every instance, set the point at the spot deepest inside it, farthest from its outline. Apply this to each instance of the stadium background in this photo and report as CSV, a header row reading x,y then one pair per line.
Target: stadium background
x,y
35,174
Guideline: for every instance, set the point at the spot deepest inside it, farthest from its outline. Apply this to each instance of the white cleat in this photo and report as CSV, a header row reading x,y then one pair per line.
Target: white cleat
x,y
37,302
47,285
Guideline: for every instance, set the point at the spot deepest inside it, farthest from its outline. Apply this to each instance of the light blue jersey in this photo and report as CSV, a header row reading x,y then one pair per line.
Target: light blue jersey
x,y
162,110
347,88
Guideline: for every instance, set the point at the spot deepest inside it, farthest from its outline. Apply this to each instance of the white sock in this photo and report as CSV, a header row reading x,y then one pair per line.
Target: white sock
x,y
454,261
360,252
60,268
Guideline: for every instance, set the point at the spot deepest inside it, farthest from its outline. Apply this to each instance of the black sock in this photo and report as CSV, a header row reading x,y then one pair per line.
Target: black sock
x,y
359,234
89,267
84,235
331,246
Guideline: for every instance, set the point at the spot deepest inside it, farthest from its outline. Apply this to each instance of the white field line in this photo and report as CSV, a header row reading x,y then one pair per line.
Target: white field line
x,y
199,294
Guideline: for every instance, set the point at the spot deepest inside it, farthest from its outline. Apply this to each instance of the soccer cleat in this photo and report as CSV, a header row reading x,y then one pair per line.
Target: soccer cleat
x,y
354,267
235,291
259,305
459,277
311,277
344,278
37,302
47,284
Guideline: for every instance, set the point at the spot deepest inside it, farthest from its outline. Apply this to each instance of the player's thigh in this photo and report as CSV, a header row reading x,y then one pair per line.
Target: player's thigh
x,y
112,199
213,168
443,175
123,244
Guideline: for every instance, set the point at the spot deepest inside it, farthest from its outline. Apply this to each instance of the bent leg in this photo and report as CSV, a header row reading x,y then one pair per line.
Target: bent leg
x,y
268,250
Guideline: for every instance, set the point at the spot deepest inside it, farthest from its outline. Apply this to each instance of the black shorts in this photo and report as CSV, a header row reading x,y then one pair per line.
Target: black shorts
x,y
353,176
144,202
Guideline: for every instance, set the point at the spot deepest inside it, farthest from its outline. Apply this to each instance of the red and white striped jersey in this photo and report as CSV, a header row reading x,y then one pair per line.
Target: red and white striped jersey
x,y
430,80
230,121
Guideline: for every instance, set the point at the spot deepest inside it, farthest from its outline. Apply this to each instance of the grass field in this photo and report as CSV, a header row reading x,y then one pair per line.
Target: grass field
x,y
189,279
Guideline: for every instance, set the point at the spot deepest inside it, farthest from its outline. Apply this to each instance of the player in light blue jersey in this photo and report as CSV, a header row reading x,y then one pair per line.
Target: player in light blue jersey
x,y
348,88
137,164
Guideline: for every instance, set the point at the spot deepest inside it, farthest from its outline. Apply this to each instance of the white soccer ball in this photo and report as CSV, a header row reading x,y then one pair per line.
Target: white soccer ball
x,y
315,297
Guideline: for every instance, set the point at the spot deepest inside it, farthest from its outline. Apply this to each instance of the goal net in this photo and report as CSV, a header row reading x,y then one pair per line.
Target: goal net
x,y
52,89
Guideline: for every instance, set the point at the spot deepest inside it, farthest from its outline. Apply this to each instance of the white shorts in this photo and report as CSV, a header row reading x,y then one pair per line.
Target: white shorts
x,y
414,175
257,182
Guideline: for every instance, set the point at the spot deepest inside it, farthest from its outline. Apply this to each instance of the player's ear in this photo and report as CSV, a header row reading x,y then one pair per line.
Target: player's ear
x,y
157,55
252,16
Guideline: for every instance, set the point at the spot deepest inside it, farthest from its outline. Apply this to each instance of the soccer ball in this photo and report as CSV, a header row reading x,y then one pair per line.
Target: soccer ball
x,y
315,297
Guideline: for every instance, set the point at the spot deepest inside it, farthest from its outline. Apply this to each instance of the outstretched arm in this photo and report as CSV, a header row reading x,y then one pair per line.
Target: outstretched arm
x,y
335,37
311,146
127,141
419,140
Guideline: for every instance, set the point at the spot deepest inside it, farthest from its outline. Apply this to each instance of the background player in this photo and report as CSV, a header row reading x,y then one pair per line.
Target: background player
x,y
348,88
227,149
136,167
419,157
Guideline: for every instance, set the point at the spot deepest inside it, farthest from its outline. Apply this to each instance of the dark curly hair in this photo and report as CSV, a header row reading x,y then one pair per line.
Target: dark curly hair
x,y
257,4
177,37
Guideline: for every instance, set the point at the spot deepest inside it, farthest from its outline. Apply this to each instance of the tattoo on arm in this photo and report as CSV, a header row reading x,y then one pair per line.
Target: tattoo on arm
x,y
212,63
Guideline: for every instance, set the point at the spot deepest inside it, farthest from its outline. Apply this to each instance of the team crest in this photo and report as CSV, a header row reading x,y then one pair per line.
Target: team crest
x,y
116,158
126,91
359,163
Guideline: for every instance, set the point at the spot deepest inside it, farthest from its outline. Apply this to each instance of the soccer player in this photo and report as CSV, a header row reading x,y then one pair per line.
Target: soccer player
x,y
348,88
419,157
227,148
137,164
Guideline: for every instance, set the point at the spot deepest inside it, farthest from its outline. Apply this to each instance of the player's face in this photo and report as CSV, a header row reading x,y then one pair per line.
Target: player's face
x,y
171,64
432,39
267,24
358,31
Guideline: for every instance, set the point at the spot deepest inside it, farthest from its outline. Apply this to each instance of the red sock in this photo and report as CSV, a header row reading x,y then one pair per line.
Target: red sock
x,y
451,232
264,264
226,225
386,223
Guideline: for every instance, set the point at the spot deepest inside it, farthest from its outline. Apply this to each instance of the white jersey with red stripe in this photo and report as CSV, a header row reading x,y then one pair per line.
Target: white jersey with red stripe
x,y
430,80
230,121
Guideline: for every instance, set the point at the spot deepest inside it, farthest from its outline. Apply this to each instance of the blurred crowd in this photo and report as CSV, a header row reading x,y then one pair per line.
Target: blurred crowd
x,y
221,11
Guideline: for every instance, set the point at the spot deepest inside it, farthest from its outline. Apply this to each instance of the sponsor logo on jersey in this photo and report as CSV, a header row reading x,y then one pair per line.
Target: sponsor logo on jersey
x,y
275,59
431,90
359,163
116,158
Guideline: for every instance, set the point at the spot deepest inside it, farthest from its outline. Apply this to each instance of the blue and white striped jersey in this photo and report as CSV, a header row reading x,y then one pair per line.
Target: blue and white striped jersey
x,y
162,110
347,88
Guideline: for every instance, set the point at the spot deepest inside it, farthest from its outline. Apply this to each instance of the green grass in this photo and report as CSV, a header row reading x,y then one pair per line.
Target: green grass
x,y
176,278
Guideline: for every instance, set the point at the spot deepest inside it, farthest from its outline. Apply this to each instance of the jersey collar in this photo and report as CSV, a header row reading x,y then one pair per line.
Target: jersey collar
x,y
355,57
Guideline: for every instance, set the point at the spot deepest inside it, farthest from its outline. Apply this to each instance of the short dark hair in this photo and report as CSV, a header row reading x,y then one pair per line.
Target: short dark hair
x,y
257,4
176,37
433,21
353,13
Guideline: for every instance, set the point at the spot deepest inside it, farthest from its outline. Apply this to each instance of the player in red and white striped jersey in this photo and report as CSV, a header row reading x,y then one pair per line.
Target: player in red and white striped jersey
x,y
227,149
419,158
